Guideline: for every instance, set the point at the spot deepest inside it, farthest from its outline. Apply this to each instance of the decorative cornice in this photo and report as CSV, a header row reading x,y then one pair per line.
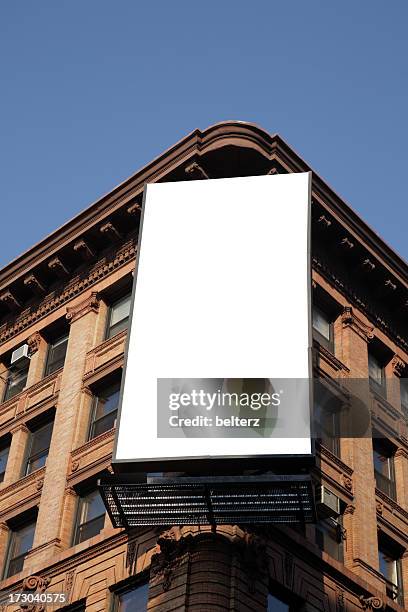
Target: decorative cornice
x,y
134,209
372,603
10,300
350,319
340,284
392,503
19,427
96,442
329,358
196,172
23,483
34,284
83,248
57,266
398,365
401,452
349,509
110,231
335,460
124,255
88,304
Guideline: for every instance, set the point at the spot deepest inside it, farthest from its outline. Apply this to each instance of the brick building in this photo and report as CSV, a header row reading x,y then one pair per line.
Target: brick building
x,y
67,298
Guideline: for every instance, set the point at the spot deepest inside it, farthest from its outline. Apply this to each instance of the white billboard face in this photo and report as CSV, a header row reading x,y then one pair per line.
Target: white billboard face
x,y
220,329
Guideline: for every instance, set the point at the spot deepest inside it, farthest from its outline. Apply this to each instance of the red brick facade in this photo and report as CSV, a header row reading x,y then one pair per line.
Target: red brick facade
x,y
69,282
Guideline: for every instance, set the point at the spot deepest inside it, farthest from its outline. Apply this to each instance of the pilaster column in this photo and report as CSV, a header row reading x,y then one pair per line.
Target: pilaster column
x,y
83,317
3,380
18,446
69,514
393,373
4,540
354,334
38,353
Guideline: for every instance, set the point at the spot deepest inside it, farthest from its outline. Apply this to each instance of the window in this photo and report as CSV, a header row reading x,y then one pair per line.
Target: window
x,y
118,316
56,354
4,452
21,541
132,599
390,567
16,381
327,413
90,518
329,536
384,468
276,605
323,328
104,410
376,373
39,444
404,394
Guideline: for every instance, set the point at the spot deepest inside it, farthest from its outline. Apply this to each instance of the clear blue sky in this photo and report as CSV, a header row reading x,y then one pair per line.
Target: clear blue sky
x,y
92,90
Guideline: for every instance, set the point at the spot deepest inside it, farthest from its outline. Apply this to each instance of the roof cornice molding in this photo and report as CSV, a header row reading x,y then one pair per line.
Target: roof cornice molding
x,y
196,144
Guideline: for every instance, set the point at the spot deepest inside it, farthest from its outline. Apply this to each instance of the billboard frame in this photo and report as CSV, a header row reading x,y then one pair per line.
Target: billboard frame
x,y
136,469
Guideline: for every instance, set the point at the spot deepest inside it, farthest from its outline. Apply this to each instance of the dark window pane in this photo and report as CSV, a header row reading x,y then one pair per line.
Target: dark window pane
x,y
56,355
119,316
327,421
39,447
376,374
384,471
92,506
90,529
105,410
4,452
321,323
20,543
328,538
16,382
134,600
103,424
91,516
276,605
404,392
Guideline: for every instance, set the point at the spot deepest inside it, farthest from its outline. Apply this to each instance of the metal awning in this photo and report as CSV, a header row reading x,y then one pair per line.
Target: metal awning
x,y
215,500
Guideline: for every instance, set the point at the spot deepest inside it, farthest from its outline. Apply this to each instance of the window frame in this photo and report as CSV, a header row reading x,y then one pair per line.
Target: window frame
x,y
13,370
51,346
77,525
404,385
327,343
128,584
96,397
12,538
391,549
389,482
4,445
375,386
109,326
28,455
337,524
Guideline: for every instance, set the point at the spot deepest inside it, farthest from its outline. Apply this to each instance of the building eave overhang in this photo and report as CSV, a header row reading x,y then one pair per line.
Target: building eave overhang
x,y
195,145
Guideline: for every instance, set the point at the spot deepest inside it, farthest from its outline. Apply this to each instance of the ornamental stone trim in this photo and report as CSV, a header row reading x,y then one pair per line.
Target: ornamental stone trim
x,y
89,304
398,365
34,342
123,256
350,319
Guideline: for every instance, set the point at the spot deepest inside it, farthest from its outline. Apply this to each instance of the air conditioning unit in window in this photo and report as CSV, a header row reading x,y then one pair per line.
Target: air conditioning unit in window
x,y
327,503
20,357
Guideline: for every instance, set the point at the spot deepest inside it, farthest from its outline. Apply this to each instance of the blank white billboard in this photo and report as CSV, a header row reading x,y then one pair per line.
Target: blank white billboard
x,y
220,316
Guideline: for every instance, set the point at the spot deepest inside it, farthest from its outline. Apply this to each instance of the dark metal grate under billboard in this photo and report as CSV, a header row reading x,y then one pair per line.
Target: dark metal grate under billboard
x,y
208,501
